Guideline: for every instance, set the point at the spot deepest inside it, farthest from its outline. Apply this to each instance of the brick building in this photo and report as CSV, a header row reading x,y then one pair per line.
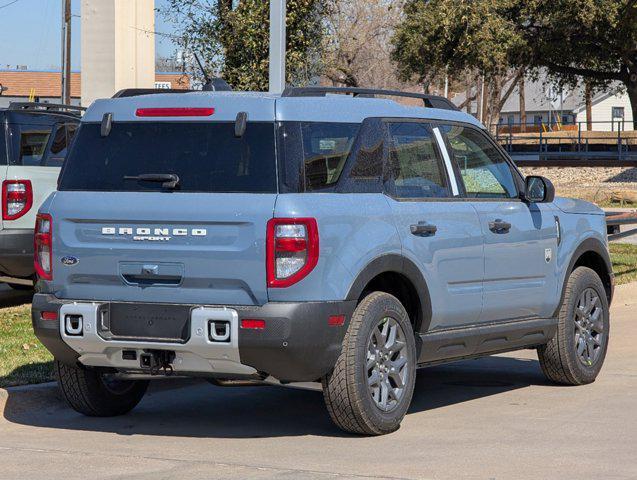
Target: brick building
x,y
44,85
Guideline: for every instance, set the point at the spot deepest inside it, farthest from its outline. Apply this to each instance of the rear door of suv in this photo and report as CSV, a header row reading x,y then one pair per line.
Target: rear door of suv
x,y
193,232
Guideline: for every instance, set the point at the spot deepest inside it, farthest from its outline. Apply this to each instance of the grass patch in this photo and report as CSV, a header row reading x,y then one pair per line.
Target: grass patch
x,y
624,258
24,358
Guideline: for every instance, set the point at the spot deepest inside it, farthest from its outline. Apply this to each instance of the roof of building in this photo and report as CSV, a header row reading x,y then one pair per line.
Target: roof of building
x,y
46,83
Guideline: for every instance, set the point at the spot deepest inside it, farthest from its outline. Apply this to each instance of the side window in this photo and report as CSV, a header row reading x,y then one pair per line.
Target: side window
x,y
415,167
32,144
484,170
326,147
3,142
62,136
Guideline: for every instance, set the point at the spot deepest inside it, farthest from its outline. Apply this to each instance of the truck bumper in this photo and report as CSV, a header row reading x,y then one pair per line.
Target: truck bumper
x,y
298,343
16,253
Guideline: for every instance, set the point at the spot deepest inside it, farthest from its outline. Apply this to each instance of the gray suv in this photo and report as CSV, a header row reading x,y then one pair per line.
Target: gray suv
x,y
324,237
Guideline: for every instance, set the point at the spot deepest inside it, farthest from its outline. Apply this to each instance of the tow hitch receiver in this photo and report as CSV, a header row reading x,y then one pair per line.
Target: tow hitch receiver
x,y
157,361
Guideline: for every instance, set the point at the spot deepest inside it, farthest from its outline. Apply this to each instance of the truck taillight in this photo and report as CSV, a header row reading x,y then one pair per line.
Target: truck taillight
x,y
43,246
292,250
17,198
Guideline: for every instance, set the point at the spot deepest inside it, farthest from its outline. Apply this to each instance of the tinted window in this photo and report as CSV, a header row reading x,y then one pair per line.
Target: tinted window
x,y
32,144
59,143
3,141
207,157
485,172
313,154
414,163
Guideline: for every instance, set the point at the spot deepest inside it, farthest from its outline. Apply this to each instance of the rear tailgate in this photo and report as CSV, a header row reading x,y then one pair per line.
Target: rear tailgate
x,y
198,238
161,247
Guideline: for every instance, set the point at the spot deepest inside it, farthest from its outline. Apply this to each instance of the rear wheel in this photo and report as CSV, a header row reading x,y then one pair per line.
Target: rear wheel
x,y
96,394
576,354
371,386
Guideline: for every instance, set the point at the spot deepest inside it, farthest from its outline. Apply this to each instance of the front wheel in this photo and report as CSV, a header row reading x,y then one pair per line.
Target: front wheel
x,y
371,386
576,354
96,394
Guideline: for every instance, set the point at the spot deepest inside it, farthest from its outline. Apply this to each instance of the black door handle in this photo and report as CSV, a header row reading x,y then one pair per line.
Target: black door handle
x,y
499,226
423,229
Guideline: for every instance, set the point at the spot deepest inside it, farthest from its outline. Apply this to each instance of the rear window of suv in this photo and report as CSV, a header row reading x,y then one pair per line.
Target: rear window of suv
x,y
207,157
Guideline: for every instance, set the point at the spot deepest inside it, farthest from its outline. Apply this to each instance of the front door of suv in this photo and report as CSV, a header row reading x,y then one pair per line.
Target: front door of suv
x,y
520,239
440,233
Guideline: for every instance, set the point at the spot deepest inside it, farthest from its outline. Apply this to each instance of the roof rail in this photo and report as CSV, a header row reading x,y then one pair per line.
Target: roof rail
x,y
430,101
47,107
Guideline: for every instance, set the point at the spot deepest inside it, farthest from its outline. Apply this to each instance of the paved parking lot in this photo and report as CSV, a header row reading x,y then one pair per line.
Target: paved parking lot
x,y
486,419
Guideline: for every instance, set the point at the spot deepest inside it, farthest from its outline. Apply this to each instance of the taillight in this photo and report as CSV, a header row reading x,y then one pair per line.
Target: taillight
x,y
292,250
17,198
43,246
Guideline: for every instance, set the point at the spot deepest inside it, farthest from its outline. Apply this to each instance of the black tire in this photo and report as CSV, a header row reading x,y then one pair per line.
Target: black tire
x,y
87,392
559,358
22,288
345,390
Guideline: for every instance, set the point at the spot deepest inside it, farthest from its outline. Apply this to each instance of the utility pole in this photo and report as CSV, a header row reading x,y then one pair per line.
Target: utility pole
x,y
66,52
277,45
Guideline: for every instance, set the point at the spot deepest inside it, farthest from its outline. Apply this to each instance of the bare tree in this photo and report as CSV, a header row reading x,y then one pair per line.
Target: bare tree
x,y
358,50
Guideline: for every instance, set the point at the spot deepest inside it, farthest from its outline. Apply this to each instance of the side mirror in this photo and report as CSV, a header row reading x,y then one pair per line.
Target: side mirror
x,y
539,190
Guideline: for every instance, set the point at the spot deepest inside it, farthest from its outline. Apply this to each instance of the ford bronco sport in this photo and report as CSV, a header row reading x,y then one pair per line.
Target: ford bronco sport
x,y
321,235
33,144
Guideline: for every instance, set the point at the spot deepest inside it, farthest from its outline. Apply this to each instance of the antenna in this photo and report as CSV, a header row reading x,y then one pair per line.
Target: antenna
x,y
208,86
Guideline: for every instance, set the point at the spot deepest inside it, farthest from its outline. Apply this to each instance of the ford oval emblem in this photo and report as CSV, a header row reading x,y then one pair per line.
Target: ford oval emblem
x,y
70,261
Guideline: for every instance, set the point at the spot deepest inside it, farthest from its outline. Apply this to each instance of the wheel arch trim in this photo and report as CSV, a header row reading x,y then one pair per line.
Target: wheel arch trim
x,y
395,263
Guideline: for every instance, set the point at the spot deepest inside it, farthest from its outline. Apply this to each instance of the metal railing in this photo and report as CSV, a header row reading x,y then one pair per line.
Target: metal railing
x,y
608,143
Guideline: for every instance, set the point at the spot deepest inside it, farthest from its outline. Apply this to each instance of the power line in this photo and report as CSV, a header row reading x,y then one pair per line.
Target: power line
x,y
8,4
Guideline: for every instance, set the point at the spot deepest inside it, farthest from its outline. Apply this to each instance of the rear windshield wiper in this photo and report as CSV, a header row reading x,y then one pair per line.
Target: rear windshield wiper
x,y
169,180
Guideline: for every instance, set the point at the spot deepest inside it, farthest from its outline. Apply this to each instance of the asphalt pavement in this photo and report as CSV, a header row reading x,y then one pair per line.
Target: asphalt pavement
x,y
492,418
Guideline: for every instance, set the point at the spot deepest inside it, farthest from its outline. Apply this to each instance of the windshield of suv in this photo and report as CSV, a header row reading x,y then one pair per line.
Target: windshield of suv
x,y
206,157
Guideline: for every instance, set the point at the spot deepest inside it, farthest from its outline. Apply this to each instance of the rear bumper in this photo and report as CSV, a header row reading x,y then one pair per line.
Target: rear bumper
x,y
16,253
297,344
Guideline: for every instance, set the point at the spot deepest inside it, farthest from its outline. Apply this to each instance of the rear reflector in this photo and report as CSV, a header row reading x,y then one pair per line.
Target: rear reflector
x,y
336,320
253,324
174,112
17,198
49,316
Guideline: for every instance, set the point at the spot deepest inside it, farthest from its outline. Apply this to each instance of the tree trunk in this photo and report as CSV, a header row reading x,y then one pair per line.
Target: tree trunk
x,y
522,104
631,88
479,100
588,94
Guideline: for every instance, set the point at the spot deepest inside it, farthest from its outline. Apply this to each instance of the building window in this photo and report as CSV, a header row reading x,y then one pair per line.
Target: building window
x,y
618,113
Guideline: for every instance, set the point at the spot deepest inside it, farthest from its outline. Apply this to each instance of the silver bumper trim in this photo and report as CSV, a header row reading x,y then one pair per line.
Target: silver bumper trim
x,y
198,355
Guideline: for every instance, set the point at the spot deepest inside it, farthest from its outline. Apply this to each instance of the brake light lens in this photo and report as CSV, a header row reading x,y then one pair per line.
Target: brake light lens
x,y
43,246
174,112
17,198
292,246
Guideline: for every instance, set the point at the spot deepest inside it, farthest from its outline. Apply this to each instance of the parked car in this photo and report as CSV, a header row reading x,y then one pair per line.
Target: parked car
x,y
307,237
33,143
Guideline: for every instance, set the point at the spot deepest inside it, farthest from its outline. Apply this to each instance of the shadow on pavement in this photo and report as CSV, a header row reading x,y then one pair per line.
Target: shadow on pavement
x,y
197,409
13,298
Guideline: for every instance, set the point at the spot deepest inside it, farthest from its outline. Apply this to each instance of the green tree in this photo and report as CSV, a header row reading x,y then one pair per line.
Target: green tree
x,y
591,41
232,38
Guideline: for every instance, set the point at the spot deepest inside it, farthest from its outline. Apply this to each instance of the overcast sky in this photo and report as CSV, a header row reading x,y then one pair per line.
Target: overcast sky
x,y
30,33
